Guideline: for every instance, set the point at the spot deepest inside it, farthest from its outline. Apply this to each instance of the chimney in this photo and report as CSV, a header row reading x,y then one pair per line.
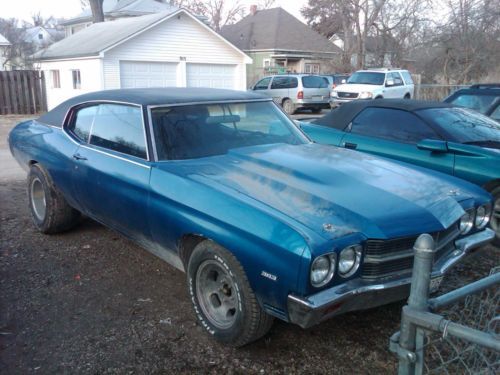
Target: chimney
x,y
253,9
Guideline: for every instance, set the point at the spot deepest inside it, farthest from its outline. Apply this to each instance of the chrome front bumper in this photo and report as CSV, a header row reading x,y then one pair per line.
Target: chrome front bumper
x,y
360,294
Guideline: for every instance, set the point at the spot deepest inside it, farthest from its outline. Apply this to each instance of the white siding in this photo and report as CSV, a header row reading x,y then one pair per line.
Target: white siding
x,y
172,41
90,74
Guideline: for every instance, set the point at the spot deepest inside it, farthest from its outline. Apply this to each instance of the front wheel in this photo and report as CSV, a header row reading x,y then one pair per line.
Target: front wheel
x,y
222,297
495,217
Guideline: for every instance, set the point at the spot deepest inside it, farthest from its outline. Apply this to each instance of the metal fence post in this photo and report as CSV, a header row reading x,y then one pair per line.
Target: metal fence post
x,y
419,295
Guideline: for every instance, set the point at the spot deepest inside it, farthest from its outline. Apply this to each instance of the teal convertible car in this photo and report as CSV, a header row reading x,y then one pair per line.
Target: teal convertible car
x,y
439,136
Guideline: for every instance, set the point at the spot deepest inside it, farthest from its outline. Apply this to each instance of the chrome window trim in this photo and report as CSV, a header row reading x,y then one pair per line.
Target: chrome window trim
x,y
104,101
152,134
98,149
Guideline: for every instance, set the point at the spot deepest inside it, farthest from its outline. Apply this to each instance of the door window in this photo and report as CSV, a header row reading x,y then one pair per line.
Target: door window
x,y
82,123
262,84
119,128
392,124
284,83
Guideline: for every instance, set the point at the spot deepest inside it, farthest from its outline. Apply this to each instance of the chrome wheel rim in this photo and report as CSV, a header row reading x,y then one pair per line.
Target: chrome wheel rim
x,y
38,199
495,217
217,294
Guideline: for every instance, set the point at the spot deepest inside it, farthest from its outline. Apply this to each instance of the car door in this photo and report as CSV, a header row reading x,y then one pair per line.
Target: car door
x,y
394,133
111,168
390,90
280,88
399,87
263,86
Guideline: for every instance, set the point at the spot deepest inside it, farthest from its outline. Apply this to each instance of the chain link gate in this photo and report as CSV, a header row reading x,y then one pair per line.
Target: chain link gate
x,y
455,333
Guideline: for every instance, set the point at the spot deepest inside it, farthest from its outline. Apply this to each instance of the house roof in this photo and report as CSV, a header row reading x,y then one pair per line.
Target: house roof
x,y
123,8
32,33
102,36
151,96
276,29
4,41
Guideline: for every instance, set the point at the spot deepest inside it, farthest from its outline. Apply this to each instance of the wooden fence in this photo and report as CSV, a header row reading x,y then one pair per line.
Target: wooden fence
x,y
22,92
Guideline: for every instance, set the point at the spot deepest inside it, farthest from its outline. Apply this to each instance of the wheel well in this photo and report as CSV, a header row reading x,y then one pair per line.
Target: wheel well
x,y
379,97
491,184
407,95
283,101
186,245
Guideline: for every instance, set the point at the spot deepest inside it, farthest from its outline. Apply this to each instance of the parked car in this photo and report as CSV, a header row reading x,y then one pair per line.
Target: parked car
x,y
336,79
440,136
222,185
296,91
484,98
374,84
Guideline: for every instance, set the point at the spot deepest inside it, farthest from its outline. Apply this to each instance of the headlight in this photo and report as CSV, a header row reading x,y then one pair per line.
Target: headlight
x,y
466,222
366,95
334,94
322,270
349,260
483,214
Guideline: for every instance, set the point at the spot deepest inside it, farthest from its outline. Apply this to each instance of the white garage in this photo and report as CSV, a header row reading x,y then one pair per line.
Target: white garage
x,y
134,74
219,76
171,49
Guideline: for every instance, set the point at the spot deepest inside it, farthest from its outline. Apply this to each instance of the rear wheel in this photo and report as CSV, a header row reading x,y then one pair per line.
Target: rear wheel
x,y
407,96
49,210
222,297
288,106
495,218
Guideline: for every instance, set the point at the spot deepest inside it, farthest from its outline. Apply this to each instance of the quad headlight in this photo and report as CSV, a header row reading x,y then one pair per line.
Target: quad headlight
x,y
349,260
366,95
322,270
466,222
483,214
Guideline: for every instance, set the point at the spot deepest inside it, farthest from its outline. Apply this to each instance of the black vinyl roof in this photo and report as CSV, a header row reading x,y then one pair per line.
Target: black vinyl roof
x,y
151,96
340,117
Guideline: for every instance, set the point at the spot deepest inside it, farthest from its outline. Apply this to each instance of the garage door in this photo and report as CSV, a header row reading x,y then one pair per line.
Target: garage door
x,y
211,75
147,74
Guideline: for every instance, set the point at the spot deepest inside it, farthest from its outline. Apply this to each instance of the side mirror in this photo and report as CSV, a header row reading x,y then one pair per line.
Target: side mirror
x,y
432,145
389,82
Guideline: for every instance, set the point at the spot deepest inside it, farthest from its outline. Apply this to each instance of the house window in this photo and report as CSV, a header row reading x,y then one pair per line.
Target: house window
x,y
40,36
56,81
266,63
311,68
77,81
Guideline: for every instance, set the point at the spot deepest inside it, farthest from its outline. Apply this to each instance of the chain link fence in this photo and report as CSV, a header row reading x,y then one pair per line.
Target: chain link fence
x,y
455,333
445,354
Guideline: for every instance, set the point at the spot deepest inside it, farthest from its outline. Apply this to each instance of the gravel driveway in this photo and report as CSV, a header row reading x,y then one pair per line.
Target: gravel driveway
x,y
92,301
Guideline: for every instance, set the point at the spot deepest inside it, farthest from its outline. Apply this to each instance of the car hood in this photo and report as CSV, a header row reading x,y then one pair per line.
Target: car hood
x,y
334,191
355,87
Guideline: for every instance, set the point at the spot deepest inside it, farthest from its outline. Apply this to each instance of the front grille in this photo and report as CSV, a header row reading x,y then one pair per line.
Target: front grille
x,y
349,95
385,257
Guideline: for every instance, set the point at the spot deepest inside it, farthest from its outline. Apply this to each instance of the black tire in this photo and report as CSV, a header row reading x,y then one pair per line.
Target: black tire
x,y
407,96
49,210
495,219
316,110
215,277
288,106
379,97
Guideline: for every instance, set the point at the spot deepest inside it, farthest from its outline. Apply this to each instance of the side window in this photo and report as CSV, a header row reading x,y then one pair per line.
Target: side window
x,y
119,128
82,122
262,84
392,124
398,81
495,115
314,82
284,83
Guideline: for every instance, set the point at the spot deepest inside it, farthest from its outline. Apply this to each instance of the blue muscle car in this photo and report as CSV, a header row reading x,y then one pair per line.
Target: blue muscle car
x,y
222,184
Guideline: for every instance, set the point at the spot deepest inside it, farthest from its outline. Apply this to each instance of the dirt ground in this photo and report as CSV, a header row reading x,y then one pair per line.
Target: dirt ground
x,y
91,301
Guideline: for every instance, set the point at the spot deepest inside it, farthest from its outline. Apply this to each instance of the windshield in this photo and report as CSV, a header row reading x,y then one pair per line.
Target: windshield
x,y
197,131
367,78
480,103
465,125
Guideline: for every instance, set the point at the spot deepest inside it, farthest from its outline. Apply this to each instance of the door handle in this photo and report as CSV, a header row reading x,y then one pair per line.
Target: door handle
x,y
79,157
350,145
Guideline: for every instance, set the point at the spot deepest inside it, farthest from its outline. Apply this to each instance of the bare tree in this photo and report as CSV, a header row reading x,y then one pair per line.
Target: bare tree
x,y
97,11
266,4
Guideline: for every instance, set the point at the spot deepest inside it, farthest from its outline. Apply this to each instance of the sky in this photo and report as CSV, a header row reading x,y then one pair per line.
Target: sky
x,y
23,9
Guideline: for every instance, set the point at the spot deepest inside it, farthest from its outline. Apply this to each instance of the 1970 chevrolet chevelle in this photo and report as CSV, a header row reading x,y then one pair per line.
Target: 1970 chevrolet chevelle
x,y
223,185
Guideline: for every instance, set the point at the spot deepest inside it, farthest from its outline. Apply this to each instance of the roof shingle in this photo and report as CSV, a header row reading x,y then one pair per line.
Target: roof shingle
x,y
276,29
